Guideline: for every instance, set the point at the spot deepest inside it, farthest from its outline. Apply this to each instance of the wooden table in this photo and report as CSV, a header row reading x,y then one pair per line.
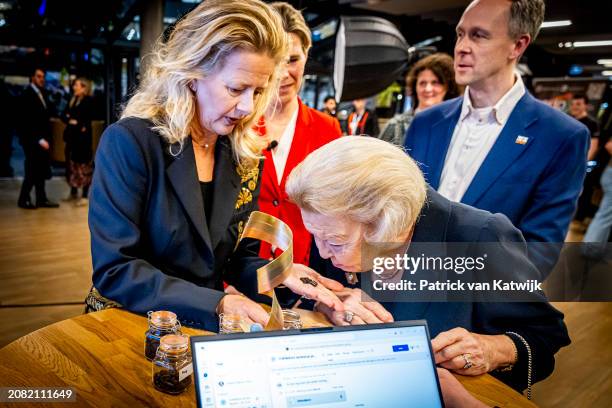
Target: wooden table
x,y
100,355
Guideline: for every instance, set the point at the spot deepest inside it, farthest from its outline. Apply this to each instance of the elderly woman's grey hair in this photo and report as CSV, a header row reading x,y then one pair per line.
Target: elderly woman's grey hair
x,y
365,179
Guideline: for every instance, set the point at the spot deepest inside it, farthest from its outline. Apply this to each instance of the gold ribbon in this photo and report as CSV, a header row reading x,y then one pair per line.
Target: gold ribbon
x,y
275,232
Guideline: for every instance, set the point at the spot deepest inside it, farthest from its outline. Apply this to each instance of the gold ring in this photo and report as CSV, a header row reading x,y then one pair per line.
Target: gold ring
x,y
468,362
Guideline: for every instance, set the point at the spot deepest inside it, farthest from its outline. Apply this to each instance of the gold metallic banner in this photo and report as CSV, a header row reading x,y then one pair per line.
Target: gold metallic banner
x,y
270,229
276,233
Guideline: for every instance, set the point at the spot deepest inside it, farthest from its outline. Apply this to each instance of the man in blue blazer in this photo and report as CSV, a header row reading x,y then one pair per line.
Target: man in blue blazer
x,y
497,148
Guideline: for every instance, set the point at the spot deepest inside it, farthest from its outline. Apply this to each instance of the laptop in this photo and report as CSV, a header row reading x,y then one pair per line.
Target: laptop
x,y
379,365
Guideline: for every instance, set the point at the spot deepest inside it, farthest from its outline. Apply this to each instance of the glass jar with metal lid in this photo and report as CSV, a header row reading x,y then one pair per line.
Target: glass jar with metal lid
x,y
172,366
160,323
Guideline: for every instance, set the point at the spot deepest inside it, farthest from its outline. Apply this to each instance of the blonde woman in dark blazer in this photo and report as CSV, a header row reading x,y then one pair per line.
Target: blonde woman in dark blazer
x,y
177,177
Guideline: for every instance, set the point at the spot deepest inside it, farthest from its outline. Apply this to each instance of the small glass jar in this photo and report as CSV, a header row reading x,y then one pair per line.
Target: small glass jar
x,y
160,323
172,367
291,319
230,323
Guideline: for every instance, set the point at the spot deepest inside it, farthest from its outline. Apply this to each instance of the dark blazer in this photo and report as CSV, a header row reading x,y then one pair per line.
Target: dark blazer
x,y
78,137
538,322
151,246
536,184
32,125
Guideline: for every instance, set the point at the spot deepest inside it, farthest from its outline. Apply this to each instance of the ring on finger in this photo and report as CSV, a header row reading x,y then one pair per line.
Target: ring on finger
x,y
468,361
348,316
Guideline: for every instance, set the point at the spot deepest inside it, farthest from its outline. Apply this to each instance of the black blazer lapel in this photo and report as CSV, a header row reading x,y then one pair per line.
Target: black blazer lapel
x,y
183,177
226,185
504,152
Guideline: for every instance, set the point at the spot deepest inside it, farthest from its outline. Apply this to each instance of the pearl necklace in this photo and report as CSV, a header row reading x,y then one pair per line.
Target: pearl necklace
x,y
203,145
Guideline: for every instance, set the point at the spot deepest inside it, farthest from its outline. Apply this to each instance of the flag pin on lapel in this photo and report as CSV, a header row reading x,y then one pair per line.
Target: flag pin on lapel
x,y
521,140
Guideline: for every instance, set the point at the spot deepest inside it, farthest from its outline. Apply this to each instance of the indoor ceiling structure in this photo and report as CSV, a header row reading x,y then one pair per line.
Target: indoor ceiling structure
x,y
112,23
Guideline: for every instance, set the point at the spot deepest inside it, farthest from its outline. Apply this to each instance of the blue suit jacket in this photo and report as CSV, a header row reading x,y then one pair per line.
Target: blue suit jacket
x,y
536,184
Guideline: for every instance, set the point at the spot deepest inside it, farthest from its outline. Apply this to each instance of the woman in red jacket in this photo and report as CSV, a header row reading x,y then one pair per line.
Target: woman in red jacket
x,y
293,131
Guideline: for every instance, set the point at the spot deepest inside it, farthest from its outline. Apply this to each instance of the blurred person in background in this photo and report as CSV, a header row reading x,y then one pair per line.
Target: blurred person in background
x,y
78,139
362,121
292,130
579,111
432,80
34,131
329,105
598,233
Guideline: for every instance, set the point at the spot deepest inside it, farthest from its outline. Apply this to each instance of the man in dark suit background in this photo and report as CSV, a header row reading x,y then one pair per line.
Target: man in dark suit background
x,y
497,148
35,136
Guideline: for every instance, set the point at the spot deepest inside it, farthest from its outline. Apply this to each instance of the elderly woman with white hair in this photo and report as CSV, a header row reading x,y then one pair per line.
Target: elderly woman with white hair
x,y
357,192
177,177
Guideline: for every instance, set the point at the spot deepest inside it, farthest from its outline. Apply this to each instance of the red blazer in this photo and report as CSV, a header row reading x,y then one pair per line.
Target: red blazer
x,y
313,129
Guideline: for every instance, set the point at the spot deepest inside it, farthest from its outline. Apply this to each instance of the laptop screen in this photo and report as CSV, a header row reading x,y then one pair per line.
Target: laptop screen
x,y
360,366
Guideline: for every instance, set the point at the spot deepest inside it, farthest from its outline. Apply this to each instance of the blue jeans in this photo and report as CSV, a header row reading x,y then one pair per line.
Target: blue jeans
x,y
599,229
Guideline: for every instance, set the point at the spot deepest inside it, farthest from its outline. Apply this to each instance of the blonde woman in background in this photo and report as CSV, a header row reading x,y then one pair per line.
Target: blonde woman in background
x,y
177,177
78,141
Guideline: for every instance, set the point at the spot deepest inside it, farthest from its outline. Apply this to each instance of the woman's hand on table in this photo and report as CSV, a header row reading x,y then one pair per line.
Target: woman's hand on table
x,y
241,305
468,353
311,285
359,308
455,395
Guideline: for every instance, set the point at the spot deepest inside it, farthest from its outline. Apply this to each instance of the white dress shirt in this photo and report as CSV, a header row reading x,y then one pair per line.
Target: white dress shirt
x,y
281,152
355,123
475,134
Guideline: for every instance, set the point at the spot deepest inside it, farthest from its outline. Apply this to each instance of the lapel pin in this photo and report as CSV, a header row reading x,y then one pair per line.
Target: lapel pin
x,y
521,140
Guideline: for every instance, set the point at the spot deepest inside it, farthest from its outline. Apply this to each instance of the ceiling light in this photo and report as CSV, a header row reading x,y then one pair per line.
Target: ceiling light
x,y
606,73
604,61
560,23
604,43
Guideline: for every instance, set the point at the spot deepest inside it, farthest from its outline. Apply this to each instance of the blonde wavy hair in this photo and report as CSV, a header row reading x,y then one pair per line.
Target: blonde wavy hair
x,y
196,47
365,179
85,82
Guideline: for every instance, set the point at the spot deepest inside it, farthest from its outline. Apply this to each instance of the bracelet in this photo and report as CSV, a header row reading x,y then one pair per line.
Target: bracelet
x,y
529,360
510,366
